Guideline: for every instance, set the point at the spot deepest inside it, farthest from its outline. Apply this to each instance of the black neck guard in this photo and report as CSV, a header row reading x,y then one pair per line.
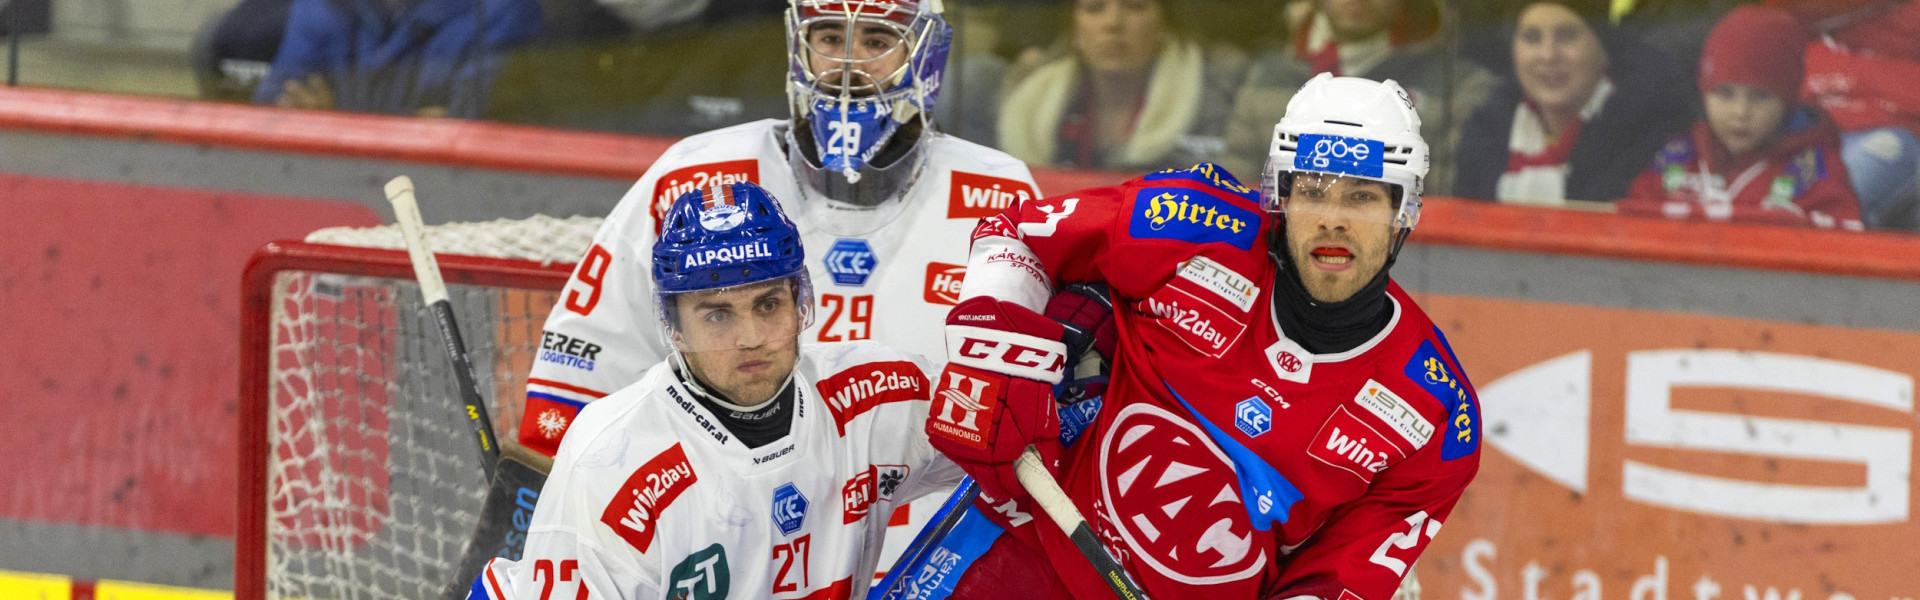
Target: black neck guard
x,y
1328,327
755,428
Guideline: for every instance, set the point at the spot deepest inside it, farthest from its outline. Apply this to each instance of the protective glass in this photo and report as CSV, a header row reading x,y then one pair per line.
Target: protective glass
x,y
754,315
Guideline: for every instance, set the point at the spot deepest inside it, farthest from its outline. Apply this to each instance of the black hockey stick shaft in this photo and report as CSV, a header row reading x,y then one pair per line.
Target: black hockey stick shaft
x,y
1047,493
433,289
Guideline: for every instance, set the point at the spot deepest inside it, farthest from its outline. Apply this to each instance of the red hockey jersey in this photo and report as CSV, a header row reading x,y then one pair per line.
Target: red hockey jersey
x,y
1227,461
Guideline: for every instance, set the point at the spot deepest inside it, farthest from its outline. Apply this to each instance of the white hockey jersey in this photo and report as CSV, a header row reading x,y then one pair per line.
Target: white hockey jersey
x,y
650,497
889,274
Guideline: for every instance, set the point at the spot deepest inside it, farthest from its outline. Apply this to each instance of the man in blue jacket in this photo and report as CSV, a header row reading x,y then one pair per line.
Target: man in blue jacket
x,y
423,57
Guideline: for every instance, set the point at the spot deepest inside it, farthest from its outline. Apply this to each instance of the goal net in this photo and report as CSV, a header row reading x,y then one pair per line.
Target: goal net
x,y
360,477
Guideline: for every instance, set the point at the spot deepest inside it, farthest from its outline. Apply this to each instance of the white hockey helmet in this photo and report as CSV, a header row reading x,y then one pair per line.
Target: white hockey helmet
x,y
1349,127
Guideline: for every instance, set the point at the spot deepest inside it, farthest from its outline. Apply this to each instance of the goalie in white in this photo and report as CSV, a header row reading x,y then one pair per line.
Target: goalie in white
x,y
747,464
884,202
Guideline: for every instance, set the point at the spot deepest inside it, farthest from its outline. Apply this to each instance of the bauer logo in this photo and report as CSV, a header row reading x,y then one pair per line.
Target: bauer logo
x,y
943,283
851,262
1252,417
973,196
1350,444
855,391
648,492
678,182
1182,214
1343,155
789,509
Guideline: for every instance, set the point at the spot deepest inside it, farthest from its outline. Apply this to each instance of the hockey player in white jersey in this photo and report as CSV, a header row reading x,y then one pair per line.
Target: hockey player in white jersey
x,y
747,465
885,205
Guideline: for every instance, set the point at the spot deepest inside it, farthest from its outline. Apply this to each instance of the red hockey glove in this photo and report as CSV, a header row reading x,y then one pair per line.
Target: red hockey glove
x,y
996,395
1086,310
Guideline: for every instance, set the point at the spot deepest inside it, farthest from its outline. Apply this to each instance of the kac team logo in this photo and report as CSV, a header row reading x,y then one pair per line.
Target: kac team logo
x,y
1252,417
1343,155
789,509
851,262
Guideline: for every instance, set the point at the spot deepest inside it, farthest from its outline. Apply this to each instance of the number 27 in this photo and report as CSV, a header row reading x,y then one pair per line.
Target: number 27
x,y
543,573
1405,540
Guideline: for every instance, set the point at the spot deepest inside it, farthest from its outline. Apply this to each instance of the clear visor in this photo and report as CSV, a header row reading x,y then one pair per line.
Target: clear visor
x,y
1330,197
765,314
849,54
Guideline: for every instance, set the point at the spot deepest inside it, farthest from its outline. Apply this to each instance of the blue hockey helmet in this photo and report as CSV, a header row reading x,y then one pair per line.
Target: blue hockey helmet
x,y
724,236
859,73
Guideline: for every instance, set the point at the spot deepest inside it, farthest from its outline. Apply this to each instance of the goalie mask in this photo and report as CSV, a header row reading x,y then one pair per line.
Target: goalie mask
x,y
1348,127
862,73
739,262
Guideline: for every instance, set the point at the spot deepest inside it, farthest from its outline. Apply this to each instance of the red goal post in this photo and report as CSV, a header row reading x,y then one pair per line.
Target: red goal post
x,y
357,475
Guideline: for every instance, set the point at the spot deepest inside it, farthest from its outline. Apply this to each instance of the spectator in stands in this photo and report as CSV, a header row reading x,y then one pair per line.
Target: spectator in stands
x,y
231,54
1126,90
1580,114
420,57
1862,72
1761,155
1375,39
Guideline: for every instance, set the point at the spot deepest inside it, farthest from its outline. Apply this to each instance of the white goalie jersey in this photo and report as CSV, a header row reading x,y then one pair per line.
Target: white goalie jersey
x,y
886,273
651,498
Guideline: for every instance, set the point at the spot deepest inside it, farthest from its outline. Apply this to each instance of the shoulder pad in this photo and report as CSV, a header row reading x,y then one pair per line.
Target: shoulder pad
x,y
1208,174
1435,369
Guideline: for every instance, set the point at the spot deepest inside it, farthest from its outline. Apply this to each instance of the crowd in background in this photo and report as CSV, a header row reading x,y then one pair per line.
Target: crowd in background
x,y
1776,111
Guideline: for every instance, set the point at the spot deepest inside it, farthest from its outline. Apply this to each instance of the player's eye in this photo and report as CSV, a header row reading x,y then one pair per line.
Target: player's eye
x,y
768,305
717,317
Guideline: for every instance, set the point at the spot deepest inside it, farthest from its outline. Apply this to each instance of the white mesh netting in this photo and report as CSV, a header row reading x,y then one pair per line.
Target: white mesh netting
x,y
374,482
538,238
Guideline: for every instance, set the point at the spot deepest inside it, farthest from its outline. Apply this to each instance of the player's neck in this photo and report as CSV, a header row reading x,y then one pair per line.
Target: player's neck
x,y
1329,327
756,425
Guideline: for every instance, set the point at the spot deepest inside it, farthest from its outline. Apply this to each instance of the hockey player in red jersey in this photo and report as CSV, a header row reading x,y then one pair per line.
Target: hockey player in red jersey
x,y
1281,421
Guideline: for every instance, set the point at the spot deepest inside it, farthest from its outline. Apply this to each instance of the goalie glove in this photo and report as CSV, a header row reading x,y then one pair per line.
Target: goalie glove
x,y
995,396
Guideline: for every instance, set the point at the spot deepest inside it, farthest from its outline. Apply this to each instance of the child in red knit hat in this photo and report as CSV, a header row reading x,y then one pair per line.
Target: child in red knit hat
x,y
1761,155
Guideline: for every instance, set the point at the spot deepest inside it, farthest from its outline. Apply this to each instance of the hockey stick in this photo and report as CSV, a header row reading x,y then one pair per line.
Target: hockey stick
x,y
1047,493
433,290
513,485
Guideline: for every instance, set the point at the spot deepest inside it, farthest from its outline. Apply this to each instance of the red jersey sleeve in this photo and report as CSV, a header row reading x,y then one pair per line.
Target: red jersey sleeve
x,y
1131,236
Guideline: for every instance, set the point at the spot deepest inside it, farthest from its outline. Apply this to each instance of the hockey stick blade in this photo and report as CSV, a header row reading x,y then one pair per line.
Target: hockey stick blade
x,y
900,575
503,524
1047,493
433,289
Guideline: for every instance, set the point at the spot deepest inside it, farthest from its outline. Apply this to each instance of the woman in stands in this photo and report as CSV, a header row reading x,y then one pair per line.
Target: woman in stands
x,y
1576,118
1128,88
